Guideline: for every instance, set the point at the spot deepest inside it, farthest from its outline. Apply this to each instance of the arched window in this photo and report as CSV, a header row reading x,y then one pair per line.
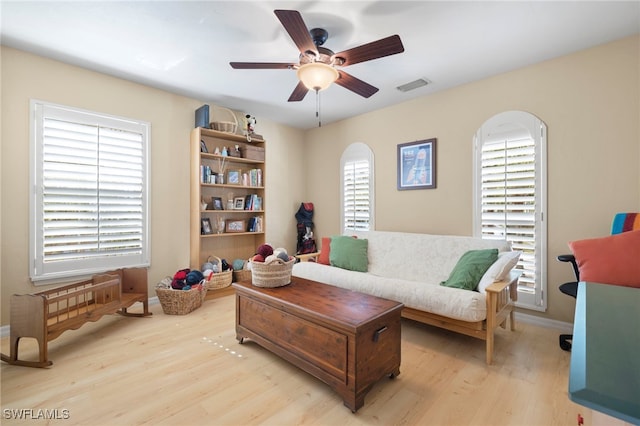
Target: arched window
x,y
356,188
510,195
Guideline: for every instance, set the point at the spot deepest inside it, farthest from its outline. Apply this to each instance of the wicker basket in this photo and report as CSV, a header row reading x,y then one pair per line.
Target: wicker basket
x,y
242,275
274,274
181,302
219,279
226,122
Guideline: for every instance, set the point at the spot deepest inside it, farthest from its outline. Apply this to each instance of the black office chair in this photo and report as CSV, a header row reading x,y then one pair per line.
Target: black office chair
x,y
622,222
570,289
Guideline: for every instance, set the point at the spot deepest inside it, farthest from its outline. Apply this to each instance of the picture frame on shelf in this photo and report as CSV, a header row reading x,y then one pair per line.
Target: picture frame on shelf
x,y
217,203
238,203
417,165
235,226
205,226
233,177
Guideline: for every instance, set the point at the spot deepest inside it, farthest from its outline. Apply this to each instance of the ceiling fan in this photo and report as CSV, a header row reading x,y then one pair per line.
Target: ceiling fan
x,y
318,66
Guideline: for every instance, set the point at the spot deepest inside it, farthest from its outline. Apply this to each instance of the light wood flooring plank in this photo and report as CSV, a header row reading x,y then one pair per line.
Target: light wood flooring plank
x,y
190,370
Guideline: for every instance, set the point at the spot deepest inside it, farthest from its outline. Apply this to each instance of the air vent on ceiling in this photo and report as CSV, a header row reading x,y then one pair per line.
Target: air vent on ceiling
x,y
413,85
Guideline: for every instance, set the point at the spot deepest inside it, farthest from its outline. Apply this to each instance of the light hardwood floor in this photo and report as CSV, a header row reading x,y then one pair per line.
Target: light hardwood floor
x,y
190,370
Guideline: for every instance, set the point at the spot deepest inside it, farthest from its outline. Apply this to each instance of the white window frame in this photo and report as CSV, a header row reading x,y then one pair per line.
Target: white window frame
x,y
46,268
519,125
354,153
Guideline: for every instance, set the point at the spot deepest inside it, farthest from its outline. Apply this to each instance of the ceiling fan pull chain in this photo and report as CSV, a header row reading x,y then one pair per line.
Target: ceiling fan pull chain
x,y
318,108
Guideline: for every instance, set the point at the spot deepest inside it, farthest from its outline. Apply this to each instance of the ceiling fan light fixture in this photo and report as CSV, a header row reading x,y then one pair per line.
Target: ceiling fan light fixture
x,y
317,75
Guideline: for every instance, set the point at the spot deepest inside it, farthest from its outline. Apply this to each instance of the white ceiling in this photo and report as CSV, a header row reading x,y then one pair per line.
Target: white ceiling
x,y
185,46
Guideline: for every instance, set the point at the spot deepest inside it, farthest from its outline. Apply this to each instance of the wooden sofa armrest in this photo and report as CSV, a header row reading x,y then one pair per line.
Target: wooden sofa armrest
x,y
511,282
500,304
308,256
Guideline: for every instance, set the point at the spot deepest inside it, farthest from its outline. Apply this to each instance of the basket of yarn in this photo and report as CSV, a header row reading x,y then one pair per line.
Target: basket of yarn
x,y
271,268
241,270
181,301
217,273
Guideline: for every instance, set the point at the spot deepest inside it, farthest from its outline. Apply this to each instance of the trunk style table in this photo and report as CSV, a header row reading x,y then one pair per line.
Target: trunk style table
x,y
347,339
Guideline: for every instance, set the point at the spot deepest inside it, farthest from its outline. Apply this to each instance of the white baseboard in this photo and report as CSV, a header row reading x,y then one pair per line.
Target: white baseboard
x,y
561,326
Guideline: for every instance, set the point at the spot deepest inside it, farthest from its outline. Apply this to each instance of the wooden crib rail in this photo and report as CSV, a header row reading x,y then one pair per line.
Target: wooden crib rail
x,y
47,314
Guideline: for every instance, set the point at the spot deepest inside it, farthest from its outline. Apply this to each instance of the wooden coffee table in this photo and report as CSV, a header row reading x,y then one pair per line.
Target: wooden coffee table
x,y
348,340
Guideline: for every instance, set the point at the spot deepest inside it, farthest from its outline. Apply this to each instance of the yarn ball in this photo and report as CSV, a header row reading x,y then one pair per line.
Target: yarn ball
x,y
194,277
269,259
283,256
258,258
265,250
225,265
207,265
238,264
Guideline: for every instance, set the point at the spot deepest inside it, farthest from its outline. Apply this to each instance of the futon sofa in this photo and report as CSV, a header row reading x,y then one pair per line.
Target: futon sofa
x,y
410,267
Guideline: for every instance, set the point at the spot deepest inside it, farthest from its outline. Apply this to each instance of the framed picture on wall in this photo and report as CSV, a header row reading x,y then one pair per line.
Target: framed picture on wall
x,y
417,165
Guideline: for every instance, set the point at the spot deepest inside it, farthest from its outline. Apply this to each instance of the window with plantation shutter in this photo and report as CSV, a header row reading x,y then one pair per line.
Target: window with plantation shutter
x,y
90,197
510,195
357,188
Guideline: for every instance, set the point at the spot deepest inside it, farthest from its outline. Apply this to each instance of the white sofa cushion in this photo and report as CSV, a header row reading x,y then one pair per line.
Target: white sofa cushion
x,y
500,269
454,303
420,257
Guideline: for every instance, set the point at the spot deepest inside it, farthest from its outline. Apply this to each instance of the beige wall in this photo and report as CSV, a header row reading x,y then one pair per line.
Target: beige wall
x,y
25,76
589,101
590,104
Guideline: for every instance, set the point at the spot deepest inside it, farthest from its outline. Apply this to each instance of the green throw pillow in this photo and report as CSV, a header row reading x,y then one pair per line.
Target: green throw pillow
x,y
470,269
349,253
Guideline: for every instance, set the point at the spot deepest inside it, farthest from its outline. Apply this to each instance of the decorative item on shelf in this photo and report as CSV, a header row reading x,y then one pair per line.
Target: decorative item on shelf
x,y
217,203
236,226
203,205
235,152
249,122
252,152
233,177
224,120
202,116
238,203
220,225
221,168
220,279
205,226
203,147
271,268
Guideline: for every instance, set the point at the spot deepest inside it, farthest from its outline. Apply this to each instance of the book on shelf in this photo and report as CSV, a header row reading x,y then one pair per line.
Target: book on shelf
x,y
255,177
253,202
255,224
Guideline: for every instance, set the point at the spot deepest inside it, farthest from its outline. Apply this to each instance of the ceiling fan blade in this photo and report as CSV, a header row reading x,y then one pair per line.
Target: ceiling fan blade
x,y
294,24
298,93
355,85
374,50
260,65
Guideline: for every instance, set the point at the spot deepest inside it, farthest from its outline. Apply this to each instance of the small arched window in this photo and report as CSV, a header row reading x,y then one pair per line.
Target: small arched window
x,y
510,192
356,188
